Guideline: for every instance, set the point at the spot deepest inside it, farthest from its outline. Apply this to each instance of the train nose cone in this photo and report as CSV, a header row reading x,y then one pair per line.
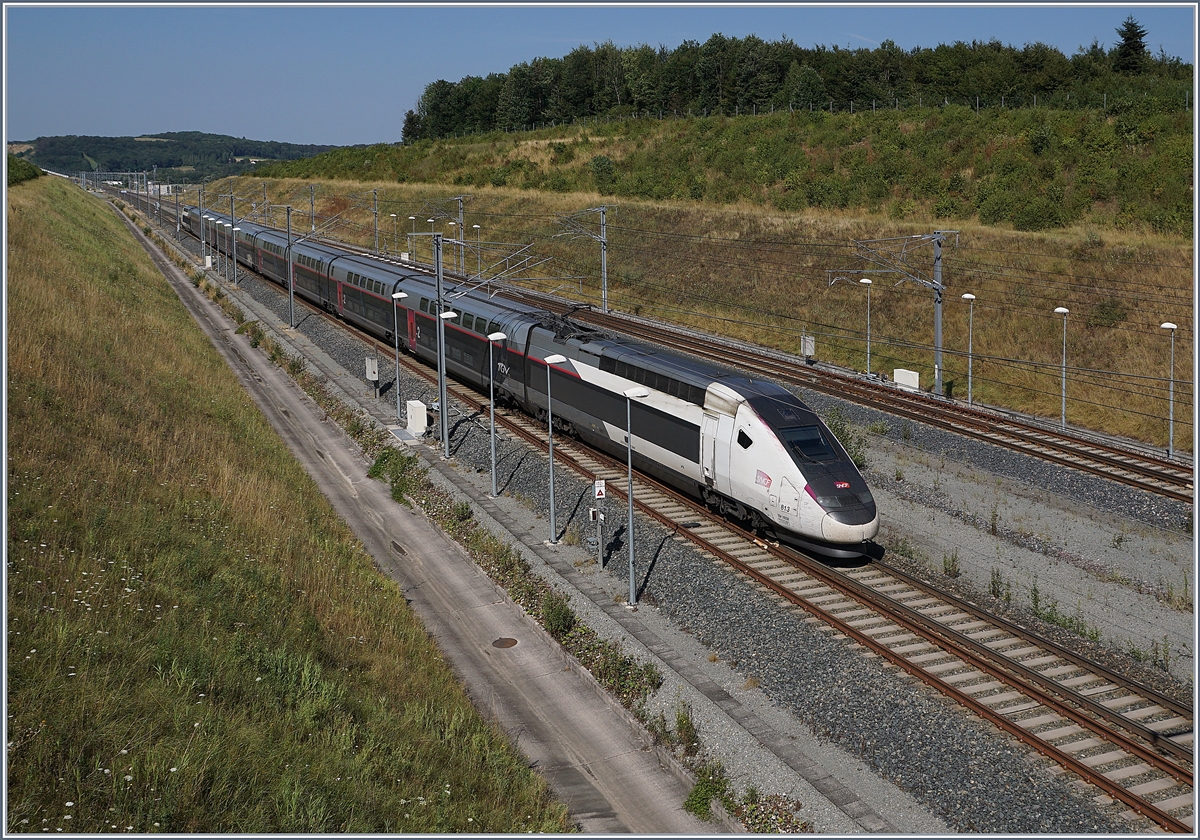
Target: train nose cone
x,y
839,532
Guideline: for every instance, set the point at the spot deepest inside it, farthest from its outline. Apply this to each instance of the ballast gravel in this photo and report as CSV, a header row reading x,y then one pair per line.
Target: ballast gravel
x,y
918,760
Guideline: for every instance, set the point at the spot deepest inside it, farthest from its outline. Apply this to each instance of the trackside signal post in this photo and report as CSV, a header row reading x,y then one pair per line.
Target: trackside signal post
x,y
597,513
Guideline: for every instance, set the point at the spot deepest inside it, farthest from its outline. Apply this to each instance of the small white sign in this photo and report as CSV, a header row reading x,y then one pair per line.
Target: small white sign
x,y
372,370
598,489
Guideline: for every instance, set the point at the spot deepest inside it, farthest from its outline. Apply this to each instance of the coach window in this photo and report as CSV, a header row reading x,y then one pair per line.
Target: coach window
x,y
468,321
425,304
744,439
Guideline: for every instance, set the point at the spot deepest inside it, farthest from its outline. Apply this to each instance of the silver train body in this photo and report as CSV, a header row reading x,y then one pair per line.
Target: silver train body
x,y
748,448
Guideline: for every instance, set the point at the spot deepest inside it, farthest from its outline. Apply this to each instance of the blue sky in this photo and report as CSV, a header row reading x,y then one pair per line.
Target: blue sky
x,y
345,75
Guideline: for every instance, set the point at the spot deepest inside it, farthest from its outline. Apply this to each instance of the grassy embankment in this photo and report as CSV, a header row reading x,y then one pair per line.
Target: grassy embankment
x,y
196,642
758,273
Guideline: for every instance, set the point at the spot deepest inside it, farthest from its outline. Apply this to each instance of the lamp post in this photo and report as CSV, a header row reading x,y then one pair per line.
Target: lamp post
x,y
234,244
396,298
200,213
217,233
1063,311
435,258
395,236
970,299
228,234
631,395
492,339
1171,400
443,397
443,425
550,361
867,282
291,276
412,239
454,230
478,252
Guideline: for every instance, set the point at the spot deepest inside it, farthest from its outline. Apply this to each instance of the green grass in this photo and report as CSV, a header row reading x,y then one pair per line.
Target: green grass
x,y
196,641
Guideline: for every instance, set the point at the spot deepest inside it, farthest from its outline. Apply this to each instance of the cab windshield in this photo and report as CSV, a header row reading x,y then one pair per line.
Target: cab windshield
x,y
807,443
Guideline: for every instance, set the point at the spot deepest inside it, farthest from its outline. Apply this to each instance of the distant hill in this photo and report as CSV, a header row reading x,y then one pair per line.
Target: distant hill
x,y
181,156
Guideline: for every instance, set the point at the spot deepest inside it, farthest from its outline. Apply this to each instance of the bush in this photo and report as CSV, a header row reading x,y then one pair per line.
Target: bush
x,y
1039,214
711,783
21,170
604,174
557,616
399,469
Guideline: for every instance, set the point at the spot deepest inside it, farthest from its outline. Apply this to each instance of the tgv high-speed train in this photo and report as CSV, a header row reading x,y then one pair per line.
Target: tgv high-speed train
x,y
747,447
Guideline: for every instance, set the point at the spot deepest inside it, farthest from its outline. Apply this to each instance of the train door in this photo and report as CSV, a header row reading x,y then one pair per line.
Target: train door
x,y
708,448
412,328
331,298
789,504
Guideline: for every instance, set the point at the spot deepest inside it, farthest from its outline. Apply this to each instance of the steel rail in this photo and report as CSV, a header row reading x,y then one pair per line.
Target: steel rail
x,y
1146,691
983,658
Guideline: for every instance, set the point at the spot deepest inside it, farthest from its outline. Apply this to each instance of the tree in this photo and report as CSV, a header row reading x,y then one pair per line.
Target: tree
x,y
641,67
806,87
515,107
411,132
1130,57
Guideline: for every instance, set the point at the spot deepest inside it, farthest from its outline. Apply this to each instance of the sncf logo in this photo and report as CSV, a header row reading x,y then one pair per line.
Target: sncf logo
x,y
761,478
842,485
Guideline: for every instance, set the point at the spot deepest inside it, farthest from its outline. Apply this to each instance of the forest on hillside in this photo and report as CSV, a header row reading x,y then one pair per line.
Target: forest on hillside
x,y
181,156
733,76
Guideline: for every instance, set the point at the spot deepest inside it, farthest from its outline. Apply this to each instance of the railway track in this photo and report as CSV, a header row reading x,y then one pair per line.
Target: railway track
x,y
1173,479
1131,743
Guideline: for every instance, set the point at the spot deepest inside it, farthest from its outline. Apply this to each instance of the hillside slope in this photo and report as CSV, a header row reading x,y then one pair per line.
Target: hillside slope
x,y
196,640
1028,169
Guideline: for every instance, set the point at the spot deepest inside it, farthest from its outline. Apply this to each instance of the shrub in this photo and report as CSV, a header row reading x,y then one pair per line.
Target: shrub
x,y
711,783
557,615
604,174
399,469
21,170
